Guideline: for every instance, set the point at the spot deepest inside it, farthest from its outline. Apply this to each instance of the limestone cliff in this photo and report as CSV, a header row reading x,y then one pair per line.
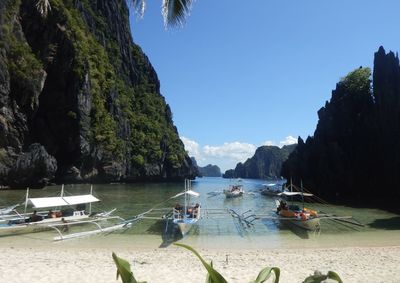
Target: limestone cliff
x,y
79,101
265,164
354,155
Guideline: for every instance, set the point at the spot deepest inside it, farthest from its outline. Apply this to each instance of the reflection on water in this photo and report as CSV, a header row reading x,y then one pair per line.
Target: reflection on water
x,y
217,228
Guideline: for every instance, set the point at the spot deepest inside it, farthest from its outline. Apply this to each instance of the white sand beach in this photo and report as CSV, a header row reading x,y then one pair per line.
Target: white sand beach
x,y
174,264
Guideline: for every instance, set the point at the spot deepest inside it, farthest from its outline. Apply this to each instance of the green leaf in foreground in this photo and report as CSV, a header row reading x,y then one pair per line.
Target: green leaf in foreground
x,y
214,276
124,270
266,273
318,277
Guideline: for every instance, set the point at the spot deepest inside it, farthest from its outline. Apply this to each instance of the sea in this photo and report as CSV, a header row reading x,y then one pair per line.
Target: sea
x,y
219,228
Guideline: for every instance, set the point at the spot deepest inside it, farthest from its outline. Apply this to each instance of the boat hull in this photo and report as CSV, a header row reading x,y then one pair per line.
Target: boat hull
x,y
309,224
229,194
33,227
184,225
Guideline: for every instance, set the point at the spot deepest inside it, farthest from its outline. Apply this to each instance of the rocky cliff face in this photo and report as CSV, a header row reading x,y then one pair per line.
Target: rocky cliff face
x,y
355,150
265,164
210,171
80,100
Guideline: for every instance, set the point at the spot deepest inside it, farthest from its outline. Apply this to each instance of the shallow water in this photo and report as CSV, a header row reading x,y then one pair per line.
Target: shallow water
x,y
217,229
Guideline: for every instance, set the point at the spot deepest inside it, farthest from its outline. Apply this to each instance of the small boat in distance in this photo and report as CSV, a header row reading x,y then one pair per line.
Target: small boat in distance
x,y
271,189
186,215
234,191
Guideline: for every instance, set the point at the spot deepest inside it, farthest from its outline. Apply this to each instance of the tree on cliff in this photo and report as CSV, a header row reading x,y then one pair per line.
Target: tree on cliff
x,y
355,150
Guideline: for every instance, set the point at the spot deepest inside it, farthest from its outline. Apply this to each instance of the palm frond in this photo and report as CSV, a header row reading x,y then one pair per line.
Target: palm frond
x,y
139,6
43,7
175,12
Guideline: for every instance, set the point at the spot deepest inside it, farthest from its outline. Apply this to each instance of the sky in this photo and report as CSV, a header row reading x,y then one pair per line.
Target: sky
x,y
242,74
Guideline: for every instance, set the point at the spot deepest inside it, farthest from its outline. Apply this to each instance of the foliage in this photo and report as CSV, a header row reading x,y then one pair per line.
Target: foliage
x,y
318,277
174,11
124,270
213,276
357,80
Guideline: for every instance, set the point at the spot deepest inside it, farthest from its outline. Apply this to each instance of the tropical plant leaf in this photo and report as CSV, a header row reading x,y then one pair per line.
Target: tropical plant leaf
x,y
318,277
139,6
175,11
43,7
124,270
266,273
214,276
334,276
208,278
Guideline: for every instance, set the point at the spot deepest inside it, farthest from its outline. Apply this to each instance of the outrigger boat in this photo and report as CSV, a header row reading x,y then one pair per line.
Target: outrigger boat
x,y
184,217
234,191
302,217
271,190
47,220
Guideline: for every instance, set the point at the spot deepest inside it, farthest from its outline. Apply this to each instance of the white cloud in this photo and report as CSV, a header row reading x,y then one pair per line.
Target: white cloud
x,y
234,150
227,155
192,148
288,140
269,143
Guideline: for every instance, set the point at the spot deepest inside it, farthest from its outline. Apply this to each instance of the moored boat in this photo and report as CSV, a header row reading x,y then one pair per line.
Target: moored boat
x,y
61,209
186,215
234,191
302,217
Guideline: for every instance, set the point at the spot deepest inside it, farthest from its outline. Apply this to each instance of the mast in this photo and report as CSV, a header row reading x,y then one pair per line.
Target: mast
x,y
26,199
186,188
62,190
301,188
90,204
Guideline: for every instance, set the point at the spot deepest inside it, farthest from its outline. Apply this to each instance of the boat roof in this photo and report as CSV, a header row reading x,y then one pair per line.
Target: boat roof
x,y
295,194
61,201
188,192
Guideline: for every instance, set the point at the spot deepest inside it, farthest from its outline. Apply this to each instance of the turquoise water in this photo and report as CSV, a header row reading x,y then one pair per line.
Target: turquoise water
x,y
217,229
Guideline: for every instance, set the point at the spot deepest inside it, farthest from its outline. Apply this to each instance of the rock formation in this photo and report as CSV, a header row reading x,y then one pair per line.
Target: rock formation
x,y
210,171
74,85
354,154
265,164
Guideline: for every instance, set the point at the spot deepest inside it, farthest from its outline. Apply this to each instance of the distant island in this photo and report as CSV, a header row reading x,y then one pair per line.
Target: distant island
x,y
210,171
207,171
265,164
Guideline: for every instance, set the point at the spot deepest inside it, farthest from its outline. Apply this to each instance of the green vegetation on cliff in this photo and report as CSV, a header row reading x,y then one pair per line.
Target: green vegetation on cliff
x,y
87,93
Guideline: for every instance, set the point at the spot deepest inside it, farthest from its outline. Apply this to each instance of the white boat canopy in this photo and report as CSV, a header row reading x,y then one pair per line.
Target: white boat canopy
x,y
61,201
188,192
47,202
295,194
71,200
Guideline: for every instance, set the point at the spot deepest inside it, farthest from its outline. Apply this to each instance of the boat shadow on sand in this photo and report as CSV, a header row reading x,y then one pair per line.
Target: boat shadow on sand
x,y
287,226
392,223
169,233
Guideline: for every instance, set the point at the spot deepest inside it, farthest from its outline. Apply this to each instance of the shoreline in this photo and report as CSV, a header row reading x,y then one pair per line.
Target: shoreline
x,y
76,264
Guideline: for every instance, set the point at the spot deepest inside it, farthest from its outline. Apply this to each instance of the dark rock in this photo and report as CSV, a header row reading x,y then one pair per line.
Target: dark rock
x,y
355,150
34,168
76,83
210,171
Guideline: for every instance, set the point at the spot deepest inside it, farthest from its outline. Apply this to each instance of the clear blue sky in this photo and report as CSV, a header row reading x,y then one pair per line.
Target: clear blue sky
x,y
239,74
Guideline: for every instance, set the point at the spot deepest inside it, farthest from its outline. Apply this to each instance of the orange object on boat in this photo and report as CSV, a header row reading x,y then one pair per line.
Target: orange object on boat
x,y
312,212
287,213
